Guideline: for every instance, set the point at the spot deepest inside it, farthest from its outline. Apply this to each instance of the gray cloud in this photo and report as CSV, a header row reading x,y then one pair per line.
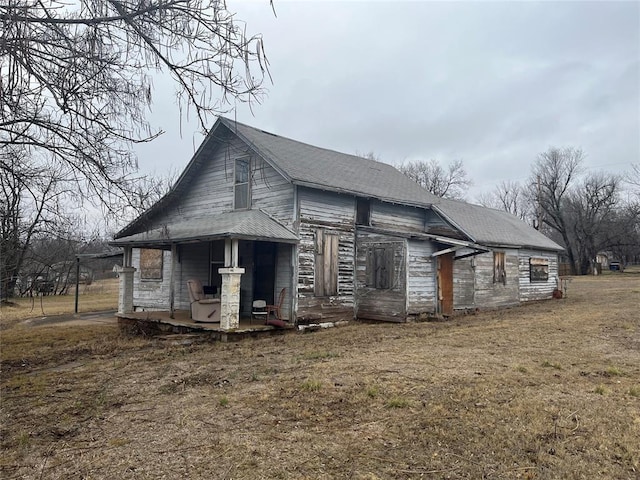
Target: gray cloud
x,y
491,83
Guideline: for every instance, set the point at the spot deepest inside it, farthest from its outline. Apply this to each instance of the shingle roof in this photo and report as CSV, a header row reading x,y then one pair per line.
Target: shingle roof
x,y
492,227
317,167
242,224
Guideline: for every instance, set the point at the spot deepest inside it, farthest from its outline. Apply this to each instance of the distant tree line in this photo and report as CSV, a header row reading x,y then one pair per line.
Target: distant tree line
x,y
586,212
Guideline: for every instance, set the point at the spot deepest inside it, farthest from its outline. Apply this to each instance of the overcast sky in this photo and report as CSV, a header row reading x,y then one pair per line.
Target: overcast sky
x,y
491,83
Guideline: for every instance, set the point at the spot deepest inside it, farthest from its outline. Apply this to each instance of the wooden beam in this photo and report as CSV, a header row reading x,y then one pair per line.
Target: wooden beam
x,y
174,256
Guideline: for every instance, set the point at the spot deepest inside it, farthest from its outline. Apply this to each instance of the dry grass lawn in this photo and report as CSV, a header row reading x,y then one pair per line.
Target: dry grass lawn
x,y
101,295
544,391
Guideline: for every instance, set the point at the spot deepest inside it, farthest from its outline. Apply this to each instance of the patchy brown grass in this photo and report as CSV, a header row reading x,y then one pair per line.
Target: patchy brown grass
x,y
99,296
548,390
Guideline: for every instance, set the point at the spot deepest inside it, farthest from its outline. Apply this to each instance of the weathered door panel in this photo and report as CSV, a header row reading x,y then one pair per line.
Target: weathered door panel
x,y
445,284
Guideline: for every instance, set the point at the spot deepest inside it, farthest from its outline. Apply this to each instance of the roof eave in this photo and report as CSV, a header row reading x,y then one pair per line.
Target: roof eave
x,y
329,188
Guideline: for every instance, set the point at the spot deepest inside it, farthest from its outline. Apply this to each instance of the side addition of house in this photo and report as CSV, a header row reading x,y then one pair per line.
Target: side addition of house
x,y
334,236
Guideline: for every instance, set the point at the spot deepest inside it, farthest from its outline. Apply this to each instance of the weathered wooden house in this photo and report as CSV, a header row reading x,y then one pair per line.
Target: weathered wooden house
x,y
254,213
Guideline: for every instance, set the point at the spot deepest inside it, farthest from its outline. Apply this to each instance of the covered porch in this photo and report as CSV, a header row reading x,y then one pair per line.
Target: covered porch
x,y
238,257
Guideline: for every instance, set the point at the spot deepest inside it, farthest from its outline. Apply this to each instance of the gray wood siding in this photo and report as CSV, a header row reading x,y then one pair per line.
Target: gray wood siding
x,y
421,286
211,191
489,294
537,290
397,217
151,294
335,214
381,304
463,282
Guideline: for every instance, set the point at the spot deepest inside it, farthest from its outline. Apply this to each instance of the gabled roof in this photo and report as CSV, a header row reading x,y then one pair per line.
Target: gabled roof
x,y
320,168
241,224
316,167
492,227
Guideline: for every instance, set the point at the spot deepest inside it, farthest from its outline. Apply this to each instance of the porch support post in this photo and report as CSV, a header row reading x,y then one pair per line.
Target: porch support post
x,y
125,292
172,287
230,297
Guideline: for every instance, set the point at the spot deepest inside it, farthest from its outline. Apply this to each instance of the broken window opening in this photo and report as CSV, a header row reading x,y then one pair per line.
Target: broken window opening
x,y
363,211
499,271
538,269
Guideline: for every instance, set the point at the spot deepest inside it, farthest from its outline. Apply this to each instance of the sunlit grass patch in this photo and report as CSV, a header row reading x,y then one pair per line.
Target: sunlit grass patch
x,y
311,385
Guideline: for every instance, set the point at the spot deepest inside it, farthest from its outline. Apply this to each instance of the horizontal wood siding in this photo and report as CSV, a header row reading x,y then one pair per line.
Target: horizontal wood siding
x,y
381,304
271,192
397,217
211,191
422,287
489,294
463,281
335,214
537,290
151,294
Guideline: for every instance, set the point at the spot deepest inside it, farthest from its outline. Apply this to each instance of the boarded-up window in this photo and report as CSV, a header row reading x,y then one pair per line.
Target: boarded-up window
x,y
150,264
538,269
326,264
380,267
499,271
241,190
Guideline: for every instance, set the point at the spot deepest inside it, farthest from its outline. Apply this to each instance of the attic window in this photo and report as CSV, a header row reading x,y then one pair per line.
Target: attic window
x,y
363,211
538,269
241,185
499,271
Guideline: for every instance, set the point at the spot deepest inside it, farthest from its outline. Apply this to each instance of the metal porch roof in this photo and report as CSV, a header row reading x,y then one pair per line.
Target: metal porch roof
x,y
241,224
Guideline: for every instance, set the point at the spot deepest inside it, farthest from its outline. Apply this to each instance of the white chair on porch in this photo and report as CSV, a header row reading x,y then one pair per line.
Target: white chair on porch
x,y
259,310
202,309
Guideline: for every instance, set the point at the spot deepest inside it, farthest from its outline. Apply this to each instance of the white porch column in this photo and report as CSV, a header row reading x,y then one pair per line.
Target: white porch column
x,y
230,297
125,292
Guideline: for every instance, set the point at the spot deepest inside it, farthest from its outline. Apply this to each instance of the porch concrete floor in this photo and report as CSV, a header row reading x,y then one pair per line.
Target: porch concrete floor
x,y
182,320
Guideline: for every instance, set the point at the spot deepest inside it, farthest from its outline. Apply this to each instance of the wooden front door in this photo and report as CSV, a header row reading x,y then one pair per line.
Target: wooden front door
x,y
445,284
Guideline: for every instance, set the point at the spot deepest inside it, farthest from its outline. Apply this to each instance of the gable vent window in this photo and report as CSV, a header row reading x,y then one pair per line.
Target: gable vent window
x,y
241,185
499,271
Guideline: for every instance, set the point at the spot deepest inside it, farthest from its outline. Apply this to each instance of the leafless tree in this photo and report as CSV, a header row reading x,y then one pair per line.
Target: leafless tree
x,y
511,197
76,85
77,77
33,196
585,211
447,182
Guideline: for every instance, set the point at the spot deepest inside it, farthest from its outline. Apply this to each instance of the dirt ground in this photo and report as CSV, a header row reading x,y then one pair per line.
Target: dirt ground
x,y
549,390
